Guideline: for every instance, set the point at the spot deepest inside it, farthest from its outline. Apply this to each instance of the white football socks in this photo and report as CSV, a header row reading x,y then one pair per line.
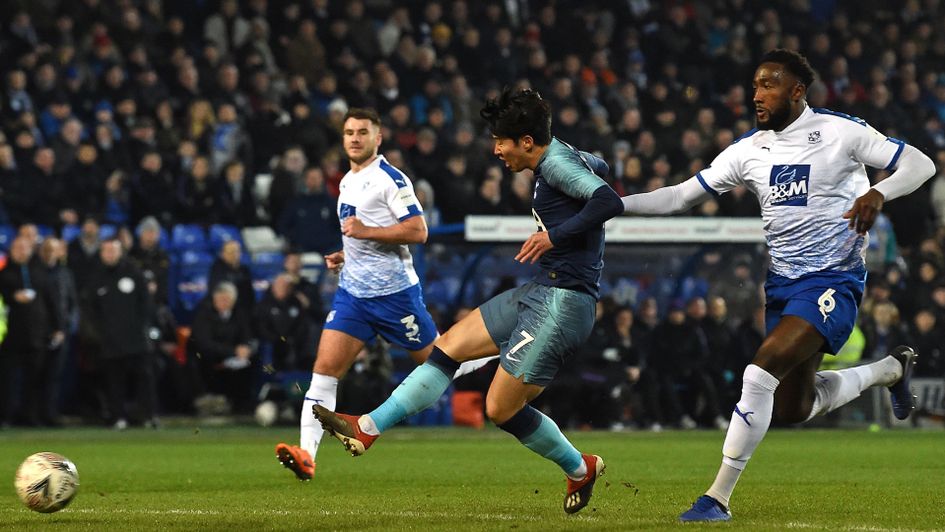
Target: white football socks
x,y
750,422
323,391
837,388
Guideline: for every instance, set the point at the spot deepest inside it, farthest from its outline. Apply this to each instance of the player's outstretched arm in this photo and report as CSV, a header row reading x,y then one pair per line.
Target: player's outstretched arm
x,y
667,200
912,169
413,230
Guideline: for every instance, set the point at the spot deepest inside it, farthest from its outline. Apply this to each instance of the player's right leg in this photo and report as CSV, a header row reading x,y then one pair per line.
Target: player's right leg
x,y
467,340
792,343
344,335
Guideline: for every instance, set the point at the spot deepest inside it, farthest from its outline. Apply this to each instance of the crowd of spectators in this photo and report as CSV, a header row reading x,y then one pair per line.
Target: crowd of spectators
x,y
145,114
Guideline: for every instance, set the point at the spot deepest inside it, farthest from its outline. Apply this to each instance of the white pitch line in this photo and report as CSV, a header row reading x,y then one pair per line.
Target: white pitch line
x,y
857,528
401,514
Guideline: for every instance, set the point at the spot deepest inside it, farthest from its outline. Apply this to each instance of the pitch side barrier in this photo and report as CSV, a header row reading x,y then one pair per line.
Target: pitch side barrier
x,y
488,232
626,229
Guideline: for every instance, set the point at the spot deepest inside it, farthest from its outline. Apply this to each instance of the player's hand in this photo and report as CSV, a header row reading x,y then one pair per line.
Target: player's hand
x,y
534,247
354,228
334,261
864,211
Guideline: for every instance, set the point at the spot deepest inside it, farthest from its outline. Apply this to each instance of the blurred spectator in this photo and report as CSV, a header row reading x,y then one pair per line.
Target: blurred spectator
x,y
197,194
62,285
286,180
368,381
883,330
928,340
738,288
282,324
32,323
228,267
119,304
83,252
305,290
148,256
681,366
310,220
153,191
235,200
226,28
228,141
221,345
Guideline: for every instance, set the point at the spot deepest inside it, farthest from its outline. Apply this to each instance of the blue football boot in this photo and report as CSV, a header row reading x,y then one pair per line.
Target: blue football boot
x,y
706,509
903,402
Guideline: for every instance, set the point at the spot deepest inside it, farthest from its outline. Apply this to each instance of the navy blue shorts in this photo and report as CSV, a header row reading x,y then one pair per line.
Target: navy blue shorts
x,y
827,300
401,318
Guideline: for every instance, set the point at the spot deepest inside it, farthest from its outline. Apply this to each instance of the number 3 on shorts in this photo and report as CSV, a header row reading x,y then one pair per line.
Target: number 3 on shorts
x,y
413,330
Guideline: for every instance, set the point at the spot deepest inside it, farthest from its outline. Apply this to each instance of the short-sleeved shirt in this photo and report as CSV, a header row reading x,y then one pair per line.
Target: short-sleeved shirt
x,y
565,179
380,196
805,177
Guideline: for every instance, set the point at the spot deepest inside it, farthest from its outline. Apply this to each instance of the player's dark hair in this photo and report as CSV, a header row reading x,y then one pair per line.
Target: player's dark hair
x,y
362,113
516,114
793,62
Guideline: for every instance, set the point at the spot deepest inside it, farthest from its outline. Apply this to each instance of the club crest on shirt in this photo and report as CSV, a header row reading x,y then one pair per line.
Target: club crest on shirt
x,y
789,185
813,137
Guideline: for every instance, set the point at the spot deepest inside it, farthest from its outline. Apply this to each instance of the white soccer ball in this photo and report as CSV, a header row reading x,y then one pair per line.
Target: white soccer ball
x,y
46,482
267,412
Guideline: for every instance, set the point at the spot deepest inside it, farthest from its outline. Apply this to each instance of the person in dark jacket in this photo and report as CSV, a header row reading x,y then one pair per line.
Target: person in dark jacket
x,y
119,305
236,202
227,267
148,256
310,221
282,322
31,324
221,346
681,355
83,252
52,253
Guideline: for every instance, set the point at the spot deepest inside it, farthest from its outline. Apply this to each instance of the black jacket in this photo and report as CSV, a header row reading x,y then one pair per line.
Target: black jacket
x,y
119,307
29,324
214,338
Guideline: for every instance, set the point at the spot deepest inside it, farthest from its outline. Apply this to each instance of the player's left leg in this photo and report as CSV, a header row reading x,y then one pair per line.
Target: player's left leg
x,y
833,389
507,407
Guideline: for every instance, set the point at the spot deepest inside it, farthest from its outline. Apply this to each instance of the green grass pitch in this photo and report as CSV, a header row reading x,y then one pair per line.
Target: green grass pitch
x,y
456,479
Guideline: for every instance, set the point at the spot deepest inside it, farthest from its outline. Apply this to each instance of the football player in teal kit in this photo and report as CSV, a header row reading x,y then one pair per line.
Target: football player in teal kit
x,y
534,328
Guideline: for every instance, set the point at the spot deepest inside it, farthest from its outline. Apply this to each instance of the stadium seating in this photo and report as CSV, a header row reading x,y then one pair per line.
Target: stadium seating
x,y
188,237
221,234
261,239
70,232
106,231
7,234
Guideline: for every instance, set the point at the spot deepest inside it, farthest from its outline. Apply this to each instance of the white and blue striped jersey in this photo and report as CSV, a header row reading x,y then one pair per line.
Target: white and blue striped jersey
x,y
805,177
380,196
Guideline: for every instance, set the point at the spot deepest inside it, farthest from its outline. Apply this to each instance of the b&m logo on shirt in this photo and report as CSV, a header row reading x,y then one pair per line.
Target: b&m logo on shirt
x,y
789,184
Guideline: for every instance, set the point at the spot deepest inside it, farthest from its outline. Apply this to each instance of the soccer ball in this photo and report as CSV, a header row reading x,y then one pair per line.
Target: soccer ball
x,y
46,482
267,413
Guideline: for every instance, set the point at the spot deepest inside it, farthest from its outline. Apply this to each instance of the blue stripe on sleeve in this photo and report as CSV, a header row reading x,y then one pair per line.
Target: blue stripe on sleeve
x,y
705,185
412,211
895,158
394,174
